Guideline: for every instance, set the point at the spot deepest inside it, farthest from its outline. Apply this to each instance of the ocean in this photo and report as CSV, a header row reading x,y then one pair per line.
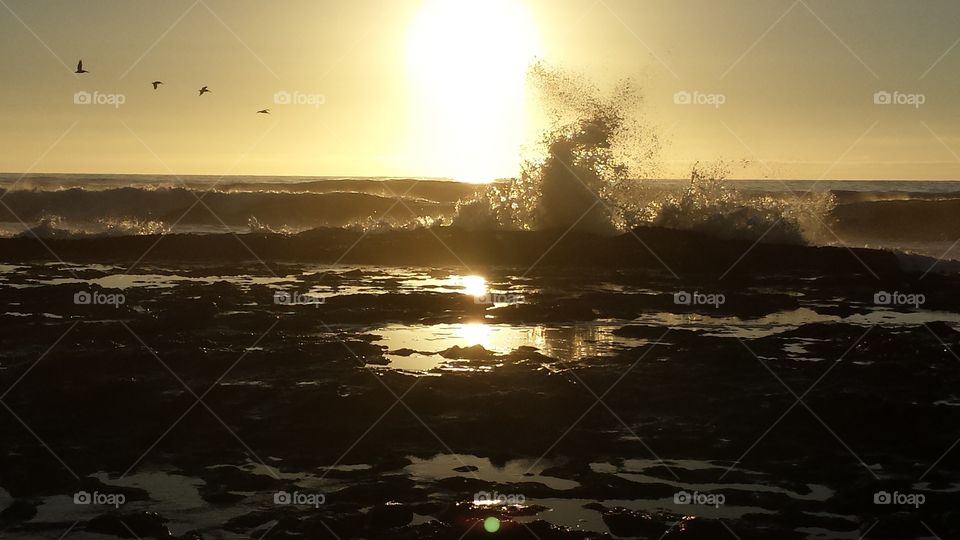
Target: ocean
x,y
918,217
268,357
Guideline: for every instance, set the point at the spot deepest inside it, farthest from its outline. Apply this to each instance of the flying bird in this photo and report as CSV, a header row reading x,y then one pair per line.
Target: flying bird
x,y
80,68
204,90
156,84
263,111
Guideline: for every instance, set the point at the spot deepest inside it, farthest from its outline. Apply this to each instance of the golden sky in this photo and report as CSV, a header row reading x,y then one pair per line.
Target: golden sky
x,y
801,88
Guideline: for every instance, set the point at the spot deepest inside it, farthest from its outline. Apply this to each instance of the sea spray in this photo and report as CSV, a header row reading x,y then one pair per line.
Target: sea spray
x,y
709,204
594,146
589,174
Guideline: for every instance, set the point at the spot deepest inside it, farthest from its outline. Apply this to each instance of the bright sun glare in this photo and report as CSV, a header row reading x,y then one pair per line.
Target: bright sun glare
x,y
468,61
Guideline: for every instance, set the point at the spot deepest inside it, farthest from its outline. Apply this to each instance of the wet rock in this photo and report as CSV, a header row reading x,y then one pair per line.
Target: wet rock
x,y
630,523
390,515
19,510
474,352
132,525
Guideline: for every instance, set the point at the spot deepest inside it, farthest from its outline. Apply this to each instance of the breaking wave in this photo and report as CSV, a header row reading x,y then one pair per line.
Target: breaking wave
x,y
589,175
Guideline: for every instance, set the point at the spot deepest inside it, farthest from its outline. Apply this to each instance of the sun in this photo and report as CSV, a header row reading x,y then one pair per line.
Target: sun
x,y
467,61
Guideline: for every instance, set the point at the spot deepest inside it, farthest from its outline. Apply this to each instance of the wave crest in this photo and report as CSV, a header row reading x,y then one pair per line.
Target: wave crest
x,y
588,178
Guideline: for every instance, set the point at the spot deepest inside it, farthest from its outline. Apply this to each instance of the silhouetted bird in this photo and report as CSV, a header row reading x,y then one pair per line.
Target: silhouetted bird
x,y
264,111
80,68
156,84
204,90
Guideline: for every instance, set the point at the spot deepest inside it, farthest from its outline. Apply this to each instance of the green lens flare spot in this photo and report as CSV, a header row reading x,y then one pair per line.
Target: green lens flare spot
x,y
491,524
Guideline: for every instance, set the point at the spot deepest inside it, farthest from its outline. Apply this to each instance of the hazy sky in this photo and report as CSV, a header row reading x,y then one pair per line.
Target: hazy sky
x,y
436,87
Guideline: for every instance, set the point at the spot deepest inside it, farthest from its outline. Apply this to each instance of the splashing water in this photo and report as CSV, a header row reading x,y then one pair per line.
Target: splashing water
x,y
710,205
590,152
587,177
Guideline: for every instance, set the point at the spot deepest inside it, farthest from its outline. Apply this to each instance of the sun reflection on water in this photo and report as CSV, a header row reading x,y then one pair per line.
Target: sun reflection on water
x,y
472,285
475,334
